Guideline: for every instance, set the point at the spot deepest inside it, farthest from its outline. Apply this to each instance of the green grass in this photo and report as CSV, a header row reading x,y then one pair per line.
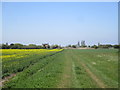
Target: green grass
x,y
103,63
65,69
82,78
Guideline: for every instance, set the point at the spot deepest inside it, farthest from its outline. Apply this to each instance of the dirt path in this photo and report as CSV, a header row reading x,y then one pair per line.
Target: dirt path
x,y
92,75
6,79
67,73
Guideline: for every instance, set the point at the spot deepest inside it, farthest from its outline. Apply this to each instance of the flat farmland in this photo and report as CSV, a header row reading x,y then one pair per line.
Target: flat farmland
x,y
58,68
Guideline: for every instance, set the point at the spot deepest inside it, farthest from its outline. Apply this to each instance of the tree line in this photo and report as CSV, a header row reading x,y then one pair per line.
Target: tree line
x,y
105,46
30,46
47,46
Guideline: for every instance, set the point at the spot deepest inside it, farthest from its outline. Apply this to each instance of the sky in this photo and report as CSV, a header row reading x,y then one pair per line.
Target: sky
x,y
61,23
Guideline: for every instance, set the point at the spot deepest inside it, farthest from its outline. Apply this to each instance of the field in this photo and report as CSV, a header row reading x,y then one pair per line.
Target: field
x,y
57,68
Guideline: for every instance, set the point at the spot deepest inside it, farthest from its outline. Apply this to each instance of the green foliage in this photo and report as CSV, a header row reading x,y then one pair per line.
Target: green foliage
x,y
116,46
54,46
94,46
30,46
69,46
4,46
74,46
43,74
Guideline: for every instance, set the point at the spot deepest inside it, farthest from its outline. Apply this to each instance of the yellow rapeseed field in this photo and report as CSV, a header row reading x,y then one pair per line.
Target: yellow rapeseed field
x,y
20,53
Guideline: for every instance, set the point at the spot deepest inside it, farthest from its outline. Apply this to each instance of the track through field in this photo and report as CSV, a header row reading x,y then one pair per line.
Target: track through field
x,y
69,72
71,69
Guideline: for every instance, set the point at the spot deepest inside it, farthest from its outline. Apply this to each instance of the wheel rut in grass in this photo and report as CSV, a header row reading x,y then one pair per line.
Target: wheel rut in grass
x,y
67,72
91,74
94,77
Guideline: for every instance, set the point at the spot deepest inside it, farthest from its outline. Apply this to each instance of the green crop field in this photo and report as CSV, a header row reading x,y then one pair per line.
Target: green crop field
x,y
68,68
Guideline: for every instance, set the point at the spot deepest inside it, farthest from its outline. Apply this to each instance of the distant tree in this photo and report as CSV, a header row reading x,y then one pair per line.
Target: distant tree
x,y
5,46
103,46
69,46
94,46
85,46
16,46
109,45
54,46
106,46
116,46
24,47
73,46
31,45
40,47
11,44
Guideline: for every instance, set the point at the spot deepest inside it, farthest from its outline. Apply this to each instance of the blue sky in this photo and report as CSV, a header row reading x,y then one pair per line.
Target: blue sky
x,y
60,23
